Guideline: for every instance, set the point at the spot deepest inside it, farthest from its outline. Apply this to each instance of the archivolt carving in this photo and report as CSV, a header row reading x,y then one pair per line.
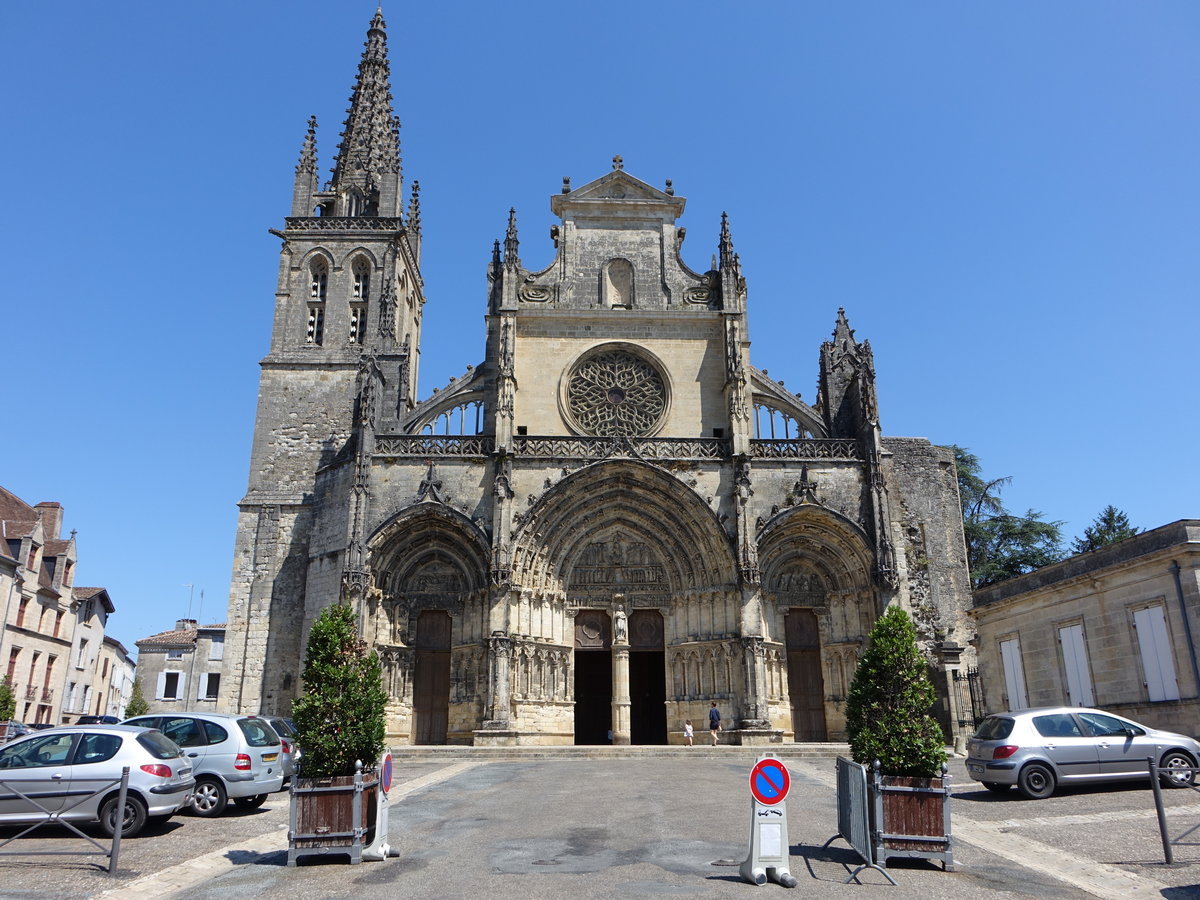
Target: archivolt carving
x,y
635,504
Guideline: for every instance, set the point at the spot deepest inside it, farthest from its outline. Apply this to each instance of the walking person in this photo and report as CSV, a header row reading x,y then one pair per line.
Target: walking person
x,y
687,732
714,722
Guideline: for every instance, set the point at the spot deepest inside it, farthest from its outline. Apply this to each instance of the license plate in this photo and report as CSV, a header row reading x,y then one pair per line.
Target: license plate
x,y
270,757
974,768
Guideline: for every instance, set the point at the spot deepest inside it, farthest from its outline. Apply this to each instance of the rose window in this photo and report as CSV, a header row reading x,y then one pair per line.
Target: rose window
x,y
616,393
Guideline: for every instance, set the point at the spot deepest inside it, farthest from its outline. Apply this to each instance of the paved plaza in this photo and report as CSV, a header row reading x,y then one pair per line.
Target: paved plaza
x,y
634,827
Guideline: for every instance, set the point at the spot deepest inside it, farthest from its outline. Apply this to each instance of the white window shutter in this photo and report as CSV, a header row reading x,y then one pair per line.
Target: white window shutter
x,y
1014,674
1079,680
203,686
161,686
1158,662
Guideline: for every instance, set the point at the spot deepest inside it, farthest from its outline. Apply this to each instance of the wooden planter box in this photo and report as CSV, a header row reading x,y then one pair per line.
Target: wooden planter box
x,y
332,815
910,817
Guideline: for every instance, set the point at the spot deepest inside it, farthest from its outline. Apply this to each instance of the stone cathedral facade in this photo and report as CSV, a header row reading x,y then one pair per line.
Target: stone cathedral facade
x,y
611,522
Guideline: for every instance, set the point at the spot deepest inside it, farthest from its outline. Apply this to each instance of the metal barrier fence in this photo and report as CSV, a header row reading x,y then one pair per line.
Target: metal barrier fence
x,y
55,817
854,824
1169,842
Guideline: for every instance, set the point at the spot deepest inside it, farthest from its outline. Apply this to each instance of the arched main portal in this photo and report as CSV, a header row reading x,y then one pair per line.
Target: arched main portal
x,y
816,569
643,566
429,564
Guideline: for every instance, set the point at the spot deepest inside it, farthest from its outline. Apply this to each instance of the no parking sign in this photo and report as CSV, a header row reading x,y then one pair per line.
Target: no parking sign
x,y
769,781
769,849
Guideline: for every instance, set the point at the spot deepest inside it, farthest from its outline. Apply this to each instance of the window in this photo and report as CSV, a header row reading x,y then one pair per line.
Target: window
x,y
51,750
1075,663
96,748
216,649
104,670
212,686
12,663
1158,661
21,612
362,280
58,617
214,733
174,654
81,661
318,284
170,686
183,731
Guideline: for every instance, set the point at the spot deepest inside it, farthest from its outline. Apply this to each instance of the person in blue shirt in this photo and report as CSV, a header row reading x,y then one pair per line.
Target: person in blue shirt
x,y
714,722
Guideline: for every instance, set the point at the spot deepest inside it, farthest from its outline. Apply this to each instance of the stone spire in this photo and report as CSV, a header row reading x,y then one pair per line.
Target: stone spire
x,y
366,174
305,185
414,220
725,247
511,260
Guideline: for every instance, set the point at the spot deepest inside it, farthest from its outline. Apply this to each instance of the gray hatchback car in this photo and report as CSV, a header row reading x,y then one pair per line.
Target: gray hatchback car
x,y
233,757
1039,749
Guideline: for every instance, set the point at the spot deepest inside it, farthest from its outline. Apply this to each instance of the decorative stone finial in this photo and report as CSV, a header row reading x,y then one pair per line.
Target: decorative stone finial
x,y
618,162
670,188
566,188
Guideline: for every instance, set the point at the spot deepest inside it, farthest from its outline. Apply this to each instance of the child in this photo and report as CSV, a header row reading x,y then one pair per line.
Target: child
x,y
687,732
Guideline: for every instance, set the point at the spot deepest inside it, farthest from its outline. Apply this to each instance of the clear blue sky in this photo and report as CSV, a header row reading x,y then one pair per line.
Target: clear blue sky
x,y
1003,196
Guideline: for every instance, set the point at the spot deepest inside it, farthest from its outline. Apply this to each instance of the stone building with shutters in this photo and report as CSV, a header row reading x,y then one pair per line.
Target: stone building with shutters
x,y
611,521
1115,628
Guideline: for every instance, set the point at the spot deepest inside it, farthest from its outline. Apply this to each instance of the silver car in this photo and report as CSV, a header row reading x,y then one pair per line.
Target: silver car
x,y
290,750
68,772
1039,749
234,757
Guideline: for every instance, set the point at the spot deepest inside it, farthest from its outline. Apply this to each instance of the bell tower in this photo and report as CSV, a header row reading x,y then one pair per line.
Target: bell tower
x,y
342,363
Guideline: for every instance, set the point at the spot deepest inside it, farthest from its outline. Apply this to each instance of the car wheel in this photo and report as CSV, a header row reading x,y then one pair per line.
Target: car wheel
x,y
1036,781
209,799
250,802
996,788
1177,770
132,822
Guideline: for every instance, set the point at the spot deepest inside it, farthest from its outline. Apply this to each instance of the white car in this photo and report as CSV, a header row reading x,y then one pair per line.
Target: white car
x,y
233,757
68,772
1039,749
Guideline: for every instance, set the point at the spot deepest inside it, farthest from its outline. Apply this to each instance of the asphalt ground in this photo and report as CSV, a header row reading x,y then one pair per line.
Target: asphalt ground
x,y
632,828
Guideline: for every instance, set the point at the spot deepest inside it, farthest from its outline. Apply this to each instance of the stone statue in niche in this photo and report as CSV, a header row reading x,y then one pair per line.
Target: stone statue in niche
x,y
620,625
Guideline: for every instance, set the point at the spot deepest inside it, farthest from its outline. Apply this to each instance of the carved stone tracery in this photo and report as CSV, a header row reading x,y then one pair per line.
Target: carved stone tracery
x,y
615,392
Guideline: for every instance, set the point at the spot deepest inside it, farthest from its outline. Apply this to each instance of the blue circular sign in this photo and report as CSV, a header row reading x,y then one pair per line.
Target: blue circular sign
x,y
386,773
769,781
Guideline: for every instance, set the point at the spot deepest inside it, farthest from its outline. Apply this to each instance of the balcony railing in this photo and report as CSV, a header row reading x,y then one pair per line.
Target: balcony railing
x,y
806,448
577,447
30,692
433,445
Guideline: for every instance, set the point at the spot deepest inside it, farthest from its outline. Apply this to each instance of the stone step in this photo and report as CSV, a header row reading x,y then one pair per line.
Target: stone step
x,y
461,753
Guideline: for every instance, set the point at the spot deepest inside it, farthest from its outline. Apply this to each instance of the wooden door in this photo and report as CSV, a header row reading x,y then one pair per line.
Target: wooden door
x,y
806,685
431,678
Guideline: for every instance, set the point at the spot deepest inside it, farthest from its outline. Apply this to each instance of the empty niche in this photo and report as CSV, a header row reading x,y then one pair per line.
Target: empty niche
x,y
618,284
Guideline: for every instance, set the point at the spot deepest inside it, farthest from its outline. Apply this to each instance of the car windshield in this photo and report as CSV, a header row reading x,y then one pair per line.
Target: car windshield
x,y
158,746
258,733
994,728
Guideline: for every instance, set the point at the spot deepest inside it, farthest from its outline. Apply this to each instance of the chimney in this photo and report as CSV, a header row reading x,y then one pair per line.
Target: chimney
x,y
50,515
185,624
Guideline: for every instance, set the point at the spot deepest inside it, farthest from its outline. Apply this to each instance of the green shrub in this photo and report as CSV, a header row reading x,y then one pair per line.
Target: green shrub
x,y
340,716
887,710
137,705
8,701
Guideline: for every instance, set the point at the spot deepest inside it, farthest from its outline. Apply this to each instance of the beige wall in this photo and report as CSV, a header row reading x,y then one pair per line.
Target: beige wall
x,y
1101,592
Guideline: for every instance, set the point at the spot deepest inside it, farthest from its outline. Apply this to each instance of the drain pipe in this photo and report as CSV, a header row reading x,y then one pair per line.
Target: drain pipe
x,y
1187,626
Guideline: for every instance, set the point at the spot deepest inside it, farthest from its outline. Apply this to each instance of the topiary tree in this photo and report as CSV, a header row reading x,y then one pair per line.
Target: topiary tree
x,y
340,716
8,701
887,710
137,705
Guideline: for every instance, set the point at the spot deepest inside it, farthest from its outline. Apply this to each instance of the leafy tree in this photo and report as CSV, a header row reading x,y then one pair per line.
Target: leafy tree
x,y
1109,527
340,716
8,701
137,705
1000,544
887,710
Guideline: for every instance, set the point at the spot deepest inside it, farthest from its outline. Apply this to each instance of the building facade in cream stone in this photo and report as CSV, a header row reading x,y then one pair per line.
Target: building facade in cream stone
x,y
612,521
